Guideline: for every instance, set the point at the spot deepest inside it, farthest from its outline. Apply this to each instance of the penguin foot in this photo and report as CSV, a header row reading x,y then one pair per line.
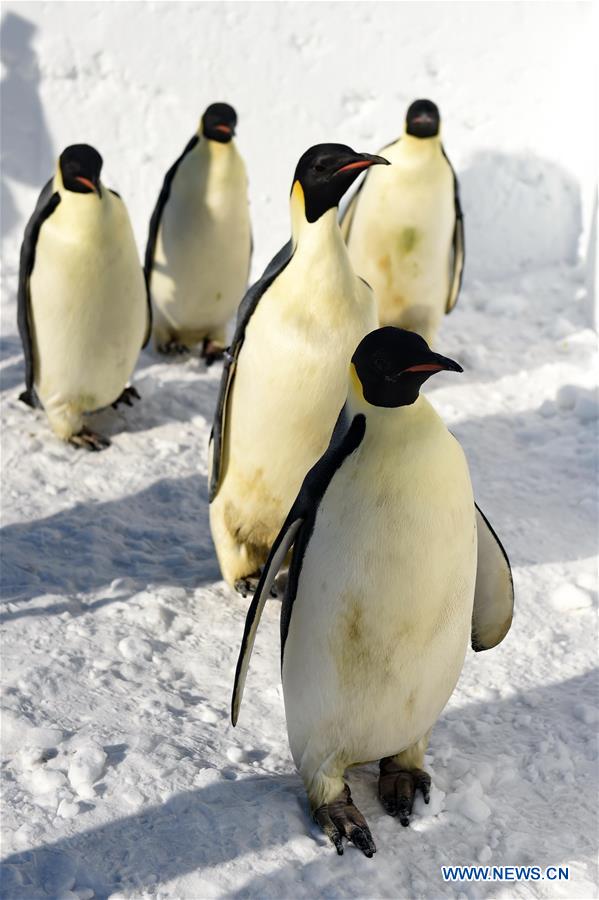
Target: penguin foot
x,y
341,819
127,397
89,440
172,348
397,788
211,352
248,585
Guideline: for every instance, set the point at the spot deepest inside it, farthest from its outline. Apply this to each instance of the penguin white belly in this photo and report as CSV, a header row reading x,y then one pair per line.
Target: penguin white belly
x,y
381,620
289,387
203,248
401,238
88,304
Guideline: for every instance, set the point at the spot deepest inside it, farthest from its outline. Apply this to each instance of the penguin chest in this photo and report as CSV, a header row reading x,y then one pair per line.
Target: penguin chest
x,y
289,387
88,305
402,234
381,620
203,250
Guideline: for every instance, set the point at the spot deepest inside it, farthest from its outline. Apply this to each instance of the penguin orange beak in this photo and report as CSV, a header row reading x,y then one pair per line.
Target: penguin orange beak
x,y
226,129
438,363
364,161
87,183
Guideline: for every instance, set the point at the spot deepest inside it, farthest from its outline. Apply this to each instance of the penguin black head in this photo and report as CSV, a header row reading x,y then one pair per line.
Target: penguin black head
x,y
393,364
218,122
80,167
423,119
325,172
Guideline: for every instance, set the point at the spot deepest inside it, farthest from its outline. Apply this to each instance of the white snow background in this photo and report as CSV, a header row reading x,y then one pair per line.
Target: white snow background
x,y
122,774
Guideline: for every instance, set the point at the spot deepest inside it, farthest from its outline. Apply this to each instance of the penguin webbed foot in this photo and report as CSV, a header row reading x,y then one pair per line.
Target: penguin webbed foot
x,y
398,787
248,585
341,819
211,351
127,397
172,348
89,440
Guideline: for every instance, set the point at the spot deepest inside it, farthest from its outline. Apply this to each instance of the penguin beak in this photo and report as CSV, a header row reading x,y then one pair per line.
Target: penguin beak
x,y
226,129
437,363
363,161
422,119
90,184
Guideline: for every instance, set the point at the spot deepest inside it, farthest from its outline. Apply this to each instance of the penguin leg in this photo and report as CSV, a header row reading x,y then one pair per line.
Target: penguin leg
x,y
214,346
66,421
340,818
401,776
127,397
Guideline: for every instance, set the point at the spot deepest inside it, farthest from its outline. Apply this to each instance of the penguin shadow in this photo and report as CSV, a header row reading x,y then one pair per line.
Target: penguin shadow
x,y
27,152
12,373
228,819
194,830
534,473
157,536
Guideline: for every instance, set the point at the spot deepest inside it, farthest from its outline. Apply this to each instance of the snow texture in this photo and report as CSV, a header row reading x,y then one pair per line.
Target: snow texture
x,y
122,775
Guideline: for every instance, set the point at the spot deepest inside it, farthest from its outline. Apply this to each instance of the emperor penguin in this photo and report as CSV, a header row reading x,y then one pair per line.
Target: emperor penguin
x,y
199,246
393,569
404,228
284,376
83,309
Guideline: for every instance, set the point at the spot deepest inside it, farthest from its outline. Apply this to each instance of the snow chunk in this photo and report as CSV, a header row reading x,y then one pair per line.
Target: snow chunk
x,y
568,597
18,732
470,804
86,767
133,648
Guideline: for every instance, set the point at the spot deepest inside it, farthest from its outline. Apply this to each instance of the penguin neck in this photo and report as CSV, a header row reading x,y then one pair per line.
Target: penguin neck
x,y
80,212
307,236
216,155
397,418
419,149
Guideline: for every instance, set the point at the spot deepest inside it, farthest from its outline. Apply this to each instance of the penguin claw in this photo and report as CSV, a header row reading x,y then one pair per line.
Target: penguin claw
x,y
172,348
341,819
212,352
127,397
248,585
89,440
397,788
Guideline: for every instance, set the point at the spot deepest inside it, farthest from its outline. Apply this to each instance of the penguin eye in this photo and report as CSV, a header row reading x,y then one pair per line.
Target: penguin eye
x,y
318,167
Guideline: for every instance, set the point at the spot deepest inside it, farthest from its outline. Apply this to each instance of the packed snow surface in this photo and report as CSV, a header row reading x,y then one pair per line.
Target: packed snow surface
x,y
123,776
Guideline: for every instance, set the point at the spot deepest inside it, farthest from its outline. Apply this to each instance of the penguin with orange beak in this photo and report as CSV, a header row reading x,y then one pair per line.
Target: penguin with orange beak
x,y
83,311
284,378
199,244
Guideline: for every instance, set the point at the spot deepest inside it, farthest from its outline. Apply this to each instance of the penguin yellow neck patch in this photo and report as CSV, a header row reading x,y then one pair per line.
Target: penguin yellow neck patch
x,y
298,208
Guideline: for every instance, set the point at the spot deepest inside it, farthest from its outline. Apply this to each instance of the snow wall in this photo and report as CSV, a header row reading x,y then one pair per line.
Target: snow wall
x,y
514,82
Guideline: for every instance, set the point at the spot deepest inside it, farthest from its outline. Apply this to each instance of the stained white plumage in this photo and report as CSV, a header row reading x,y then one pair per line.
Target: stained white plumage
x,y
404,234
288,388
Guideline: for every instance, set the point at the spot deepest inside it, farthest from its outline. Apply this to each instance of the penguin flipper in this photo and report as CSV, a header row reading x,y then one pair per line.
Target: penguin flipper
x,y
156,217
494,590
275,560
47,202
297,528
457,244
245,312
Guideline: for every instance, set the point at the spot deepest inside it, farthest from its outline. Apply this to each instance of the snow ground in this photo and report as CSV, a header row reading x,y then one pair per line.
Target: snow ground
x,y
122,775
